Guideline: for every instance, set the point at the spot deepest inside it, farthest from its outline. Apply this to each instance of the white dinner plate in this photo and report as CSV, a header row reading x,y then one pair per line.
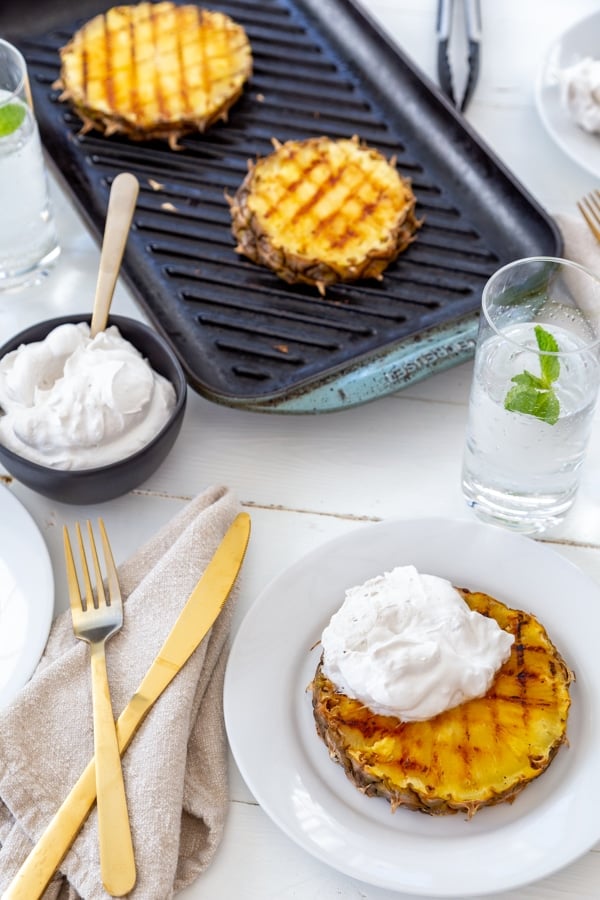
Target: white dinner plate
x,y
580,40
26,596
270,726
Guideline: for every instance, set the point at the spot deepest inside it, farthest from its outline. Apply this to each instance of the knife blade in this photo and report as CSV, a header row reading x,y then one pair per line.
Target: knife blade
x,y
199,613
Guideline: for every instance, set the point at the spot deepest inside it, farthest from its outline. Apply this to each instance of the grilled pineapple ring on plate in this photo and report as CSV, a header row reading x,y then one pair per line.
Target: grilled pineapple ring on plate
x,y
155,70
321,211
480,753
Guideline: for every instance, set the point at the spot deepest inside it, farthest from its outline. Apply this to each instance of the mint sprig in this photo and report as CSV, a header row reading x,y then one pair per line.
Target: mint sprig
x,y
533,395
11,118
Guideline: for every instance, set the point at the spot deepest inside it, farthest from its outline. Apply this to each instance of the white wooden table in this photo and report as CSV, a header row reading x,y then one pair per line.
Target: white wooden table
x,y
305,479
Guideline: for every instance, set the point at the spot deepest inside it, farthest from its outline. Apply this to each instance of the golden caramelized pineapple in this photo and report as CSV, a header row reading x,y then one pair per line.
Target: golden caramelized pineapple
x,y
321,211
155,70
480,753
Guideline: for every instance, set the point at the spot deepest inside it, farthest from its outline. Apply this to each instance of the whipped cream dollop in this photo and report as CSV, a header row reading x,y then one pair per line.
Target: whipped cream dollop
x,y
580,93
76,402
407,645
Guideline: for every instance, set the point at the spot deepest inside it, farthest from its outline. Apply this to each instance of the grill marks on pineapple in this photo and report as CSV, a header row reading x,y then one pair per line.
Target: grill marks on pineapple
x,y
83,74
480,753
204,65
111,100
155,70
321,211
134,98
161,101
323,226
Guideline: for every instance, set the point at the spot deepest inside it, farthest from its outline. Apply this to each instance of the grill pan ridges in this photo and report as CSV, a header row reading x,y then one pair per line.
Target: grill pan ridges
x,y
244,337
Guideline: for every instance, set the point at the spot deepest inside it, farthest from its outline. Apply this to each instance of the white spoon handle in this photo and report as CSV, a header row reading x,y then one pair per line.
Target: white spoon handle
x,y
121,204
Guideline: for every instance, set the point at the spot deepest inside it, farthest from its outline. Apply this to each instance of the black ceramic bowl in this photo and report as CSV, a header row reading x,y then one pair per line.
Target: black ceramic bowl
x,y
108,481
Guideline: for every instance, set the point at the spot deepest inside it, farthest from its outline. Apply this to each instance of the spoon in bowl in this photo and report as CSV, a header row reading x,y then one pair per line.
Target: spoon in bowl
x,y
121,205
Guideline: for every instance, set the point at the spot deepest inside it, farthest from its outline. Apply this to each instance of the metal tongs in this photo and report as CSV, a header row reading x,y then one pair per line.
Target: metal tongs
x,y
472,23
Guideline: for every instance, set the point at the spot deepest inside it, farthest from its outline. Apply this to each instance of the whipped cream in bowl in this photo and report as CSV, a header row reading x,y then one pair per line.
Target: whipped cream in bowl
x,y
83,420
407,645
75,402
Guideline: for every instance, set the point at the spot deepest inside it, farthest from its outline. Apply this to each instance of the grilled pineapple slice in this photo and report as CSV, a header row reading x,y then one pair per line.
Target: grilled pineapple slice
x,y
477,754
155,70
321,211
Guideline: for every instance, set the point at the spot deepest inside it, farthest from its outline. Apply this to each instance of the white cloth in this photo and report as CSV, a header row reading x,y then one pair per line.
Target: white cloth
x,y
175,769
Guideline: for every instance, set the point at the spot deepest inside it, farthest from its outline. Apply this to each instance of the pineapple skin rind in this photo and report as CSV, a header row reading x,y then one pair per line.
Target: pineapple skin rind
x,y
256,243
336,715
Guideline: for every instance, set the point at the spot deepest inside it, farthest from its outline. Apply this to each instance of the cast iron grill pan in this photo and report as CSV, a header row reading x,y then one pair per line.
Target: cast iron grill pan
x,y
320,67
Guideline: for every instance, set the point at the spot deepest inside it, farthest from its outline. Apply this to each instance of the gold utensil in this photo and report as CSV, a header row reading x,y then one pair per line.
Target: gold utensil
x,y
195,619
121,205
589,207
96,618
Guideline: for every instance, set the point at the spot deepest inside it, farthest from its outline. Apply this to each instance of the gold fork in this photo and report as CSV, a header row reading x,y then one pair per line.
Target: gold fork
x,y
589,207
95,619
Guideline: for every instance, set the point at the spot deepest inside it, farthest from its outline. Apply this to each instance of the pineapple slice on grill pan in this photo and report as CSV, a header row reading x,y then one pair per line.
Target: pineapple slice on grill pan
x,y
155,70
321,211
480,753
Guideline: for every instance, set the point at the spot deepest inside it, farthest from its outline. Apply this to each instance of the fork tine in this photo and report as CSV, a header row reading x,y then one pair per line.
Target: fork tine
x,y
89,593
75,598
593,207
114,590
591,217
100,596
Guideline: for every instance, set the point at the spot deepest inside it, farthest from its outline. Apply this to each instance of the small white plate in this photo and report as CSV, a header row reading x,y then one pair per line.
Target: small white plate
x,y
272,734
580,40
26,596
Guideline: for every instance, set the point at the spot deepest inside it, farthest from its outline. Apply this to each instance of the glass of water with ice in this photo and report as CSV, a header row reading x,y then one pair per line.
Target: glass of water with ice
x,y
28,239
534,390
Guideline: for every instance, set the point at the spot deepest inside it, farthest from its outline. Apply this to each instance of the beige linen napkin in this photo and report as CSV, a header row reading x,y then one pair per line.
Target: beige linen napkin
x,y
580,244
176,767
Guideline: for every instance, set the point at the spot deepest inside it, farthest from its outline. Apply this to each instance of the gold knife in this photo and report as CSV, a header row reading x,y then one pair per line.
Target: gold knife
x,y
199,613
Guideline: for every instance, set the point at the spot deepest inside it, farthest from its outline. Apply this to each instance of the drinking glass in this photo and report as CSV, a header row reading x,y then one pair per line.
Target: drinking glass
x,y
28,239
534,389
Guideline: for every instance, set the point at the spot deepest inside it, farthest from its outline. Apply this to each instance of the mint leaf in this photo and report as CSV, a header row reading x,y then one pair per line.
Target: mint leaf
x,y
522,399
550,365
533,395
547,407
543,405
11,118
526,379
